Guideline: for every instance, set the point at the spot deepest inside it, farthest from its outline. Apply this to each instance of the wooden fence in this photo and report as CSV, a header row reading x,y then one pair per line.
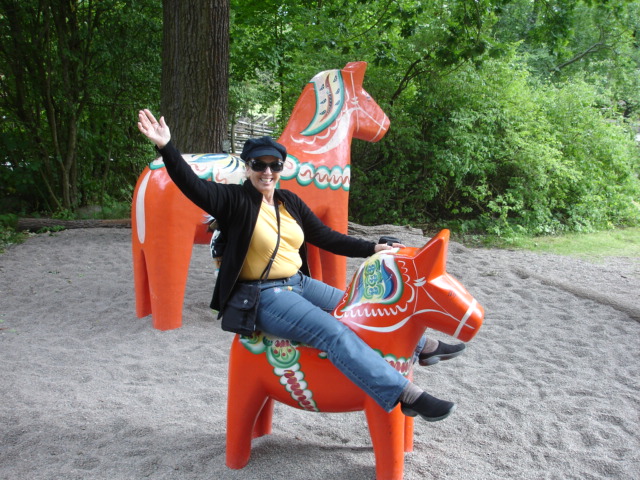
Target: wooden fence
x,y
245,128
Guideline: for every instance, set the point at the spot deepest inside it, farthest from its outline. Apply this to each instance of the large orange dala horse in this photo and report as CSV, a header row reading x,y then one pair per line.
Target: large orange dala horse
x,y
392,299
332,109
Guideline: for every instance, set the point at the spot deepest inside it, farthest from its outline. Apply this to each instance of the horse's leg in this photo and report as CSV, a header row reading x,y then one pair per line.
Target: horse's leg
x,y
140,275
171,224
408,425
315,264
408,434
334,269
387,437
140,279
264,421
168,269
245,400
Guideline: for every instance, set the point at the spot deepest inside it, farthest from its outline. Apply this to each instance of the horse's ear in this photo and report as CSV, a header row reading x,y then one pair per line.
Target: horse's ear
x,y
431,260
356,69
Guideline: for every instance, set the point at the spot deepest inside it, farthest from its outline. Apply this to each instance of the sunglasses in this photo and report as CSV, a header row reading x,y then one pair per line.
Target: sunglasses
x,y
260,166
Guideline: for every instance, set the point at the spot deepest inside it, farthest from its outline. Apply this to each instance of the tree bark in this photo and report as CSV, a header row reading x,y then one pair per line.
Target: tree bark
x,y
195,72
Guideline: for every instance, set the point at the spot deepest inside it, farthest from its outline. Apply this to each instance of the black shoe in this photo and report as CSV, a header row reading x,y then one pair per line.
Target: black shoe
x,y
443,352
428,407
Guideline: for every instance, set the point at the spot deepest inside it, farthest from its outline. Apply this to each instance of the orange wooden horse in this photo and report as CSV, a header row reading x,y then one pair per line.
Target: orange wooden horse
x,y
332,109
391,301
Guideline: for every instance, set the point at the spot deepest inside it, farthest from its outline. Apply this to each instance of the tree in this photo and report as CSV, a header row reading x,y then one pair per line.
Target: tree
x,y
457,78
464,145
195,70
62,31
567,39
69,70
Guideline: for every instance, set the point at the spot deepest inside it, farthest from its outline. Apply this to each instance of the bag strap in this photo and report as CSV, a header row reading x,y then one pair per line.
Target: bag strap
x,y
267,269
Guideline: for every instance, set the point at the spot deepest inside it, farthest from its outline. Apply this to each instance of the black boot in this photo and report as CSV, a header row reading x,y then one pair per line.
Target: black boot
x,y
443,352
428,407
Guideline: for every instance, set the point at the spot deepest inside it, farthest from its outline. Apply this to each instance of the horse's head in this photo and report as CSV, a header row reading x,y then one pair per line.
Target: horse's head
x,y
411,287
332,109
370,122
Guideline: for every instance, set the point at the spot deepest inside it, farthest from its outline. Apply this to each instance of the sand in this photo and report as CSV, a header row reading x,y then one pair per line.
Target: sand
x,y
549,388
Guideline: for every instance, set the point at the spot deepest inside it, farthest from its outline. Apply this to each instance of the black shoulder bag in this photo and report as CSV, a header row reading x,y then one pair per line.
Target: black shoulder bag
x,y
241,310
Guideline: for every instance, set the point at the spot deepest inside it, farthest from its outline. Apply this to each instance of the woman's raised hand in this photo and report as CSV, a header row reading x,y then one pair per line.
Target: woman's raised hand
x,y
157,132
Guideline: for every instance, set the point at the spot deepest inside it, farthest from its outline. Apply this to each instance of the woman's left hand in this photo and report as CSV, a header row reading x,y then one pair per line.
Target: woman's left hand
x,y
383,246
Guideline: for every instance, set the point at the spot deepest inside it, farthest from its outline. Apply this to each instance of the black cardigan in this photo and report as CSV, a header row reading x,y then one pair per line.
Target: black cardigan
x,y
236,208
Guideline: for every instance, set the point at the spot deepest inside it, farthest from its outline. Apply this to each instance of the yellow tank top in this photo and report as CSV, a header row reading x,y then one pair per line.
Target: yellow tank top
x,y
263,241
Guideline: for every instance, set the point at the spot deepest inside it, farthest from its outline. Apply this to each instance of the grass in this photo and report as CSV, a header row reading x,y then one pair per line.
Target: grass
x,y
621,242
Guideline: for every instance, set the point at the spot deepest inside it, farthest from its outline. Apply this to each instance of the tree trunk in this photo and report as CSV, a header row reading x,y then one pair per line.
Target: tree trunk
x,y
195,71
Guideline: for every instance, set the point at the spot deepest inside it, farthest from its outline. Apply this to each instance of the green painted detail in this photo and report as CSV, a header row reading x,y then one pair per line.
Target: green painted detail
x,y
401,364
254,343
329,91
322,177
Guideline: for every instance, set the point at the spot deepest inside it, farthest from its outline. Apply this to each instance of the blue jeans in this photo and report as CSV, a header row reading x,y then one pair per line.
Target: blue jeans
x,y
299,308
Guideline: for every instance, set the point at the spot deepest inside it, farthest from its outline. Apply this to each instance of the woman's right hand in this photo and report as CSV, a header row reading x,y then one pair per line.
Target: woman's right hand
x,y
157,132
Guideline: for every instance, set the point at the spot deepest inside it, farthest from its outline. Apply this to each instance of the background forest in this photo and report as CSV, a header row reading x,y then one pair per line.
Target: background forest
x,y
507,117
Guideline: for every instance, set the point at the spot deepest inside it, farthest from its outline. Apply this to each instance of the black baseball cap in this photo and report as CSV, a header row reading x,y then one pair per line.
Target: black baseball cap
x,y
257,147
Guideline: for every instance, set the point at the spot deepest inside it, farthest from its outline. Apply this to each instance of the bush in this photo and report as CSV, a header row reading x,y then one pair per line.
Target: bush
x,y
8,233
496,152
601,157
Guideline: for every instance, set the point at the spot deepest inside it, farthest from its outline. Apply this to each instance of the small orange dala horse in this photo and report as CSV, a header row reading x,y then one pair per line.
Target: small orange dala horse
x,y
391,301
332,109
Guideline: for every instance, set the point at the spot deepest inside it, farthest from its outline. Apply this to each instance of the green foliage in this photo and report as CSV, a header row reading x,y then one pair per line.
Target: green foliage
x,y
8,233
563,38
508,117
495,150
69,95
601,186
8,220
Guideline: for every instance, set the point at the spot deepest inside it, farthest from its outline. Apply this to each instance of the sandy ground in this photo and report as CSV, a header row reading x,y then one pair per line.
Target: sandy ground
x,y
549,389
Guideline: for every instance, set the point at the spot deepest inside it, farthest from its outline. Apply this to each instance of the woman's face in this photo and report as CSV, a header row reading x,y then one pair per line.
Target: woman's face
x,y
265,181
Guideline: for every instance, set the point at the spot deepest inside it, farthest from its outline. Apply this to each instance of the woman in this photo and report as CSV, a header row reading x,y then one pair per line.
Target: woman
x,y
292,305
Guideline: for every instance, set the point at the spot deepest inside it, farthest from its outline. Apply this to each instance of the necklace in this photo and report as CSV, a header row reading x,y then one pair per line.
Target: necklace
x,y
267,201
